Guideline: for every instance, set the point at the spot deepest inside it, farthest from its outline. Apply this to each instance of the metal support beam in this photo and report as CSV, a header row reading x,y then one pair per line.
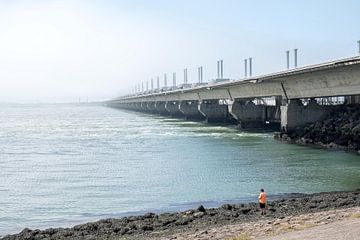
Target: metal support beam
x,y
250,67
288,59
174,79
221,69
185,76
295,57
245,65
199,74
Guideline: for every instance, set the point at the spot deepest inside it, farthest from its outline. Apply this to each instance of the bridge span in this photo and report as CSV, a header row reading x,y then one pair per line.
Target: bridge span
x,y
289,98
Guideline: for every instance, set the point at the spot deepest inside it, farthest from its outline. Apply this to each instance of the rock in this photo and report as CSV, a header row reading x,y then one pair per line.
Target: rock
x,y
341,130
356,129
190,212
199,214
312,205
149,215
182,221
323,205
146,228
168,222
124,231
227,207
245,210
50,231
132,226
201,208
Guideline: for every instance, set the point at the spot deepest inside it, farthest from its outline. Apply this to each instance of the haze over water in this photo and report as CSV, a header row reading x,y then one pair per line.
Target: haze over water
x,y
67,164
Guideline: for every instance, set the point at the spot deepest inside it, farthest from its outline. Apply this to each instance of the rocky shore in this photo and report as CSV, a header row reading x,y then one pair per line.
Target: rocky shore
x,y
168,225
340,130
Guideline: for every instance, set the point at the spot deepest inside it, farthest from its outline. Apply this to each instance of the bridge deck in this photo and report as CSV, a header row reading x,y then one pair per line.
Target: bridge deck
x,y
335,78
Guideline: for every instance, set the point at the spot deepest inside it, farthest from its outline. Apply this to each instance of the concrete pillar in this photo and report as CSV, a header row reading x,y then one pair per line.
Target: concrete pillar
x,y
213,111
249,115
278,104
355,99
161,108
137,106
295,114
129,106
191,111
143,107
173,107
151,107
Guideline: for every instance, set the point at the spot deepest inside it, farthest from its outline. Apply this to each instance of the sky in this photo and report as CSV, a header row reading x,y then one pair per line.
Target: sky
x,y
87,50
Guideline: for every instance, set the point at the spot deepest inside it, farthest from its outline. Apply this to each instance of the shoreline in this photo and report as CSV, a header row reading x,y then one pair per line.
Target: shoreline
x,y
173,208
284,137
340,130
325,225
155,226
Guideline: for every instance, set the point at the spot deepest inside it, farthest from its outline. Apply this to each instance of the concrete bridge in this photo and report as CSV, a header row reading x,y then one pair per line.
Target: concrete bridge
x,y
288,99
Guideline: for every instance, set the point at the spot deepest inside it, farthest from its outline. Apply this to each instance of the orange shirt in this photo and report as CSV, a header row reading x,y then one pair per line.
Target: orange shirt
x,y
262,197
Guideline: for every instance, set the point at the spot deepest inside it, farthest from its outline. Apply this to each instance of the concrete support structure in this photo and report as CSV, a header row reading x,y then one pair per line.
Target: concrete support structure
x,y
340,78
151,107
173,107
213,111
250,115
295,114
355,99
143,107
160,107
190,110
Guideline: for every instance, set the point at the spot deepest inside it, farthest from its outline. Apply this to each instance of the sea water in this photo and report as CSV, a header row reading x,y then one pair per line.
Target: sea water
x,y
65,164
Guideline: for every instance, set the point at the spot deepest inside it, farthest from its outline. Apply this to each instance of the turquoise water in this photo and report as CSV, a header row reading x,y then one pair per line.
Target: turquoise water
x,y
67,164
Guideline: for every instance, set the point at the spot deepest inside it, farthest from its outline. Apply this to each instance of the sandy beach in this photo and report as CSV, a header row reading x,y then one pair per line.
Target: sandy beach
x,y
333,224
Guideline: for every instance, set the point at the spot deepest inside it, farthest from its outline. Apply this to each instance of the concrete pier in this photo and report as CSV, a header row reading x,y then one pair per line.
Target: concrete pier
x,y
151,107
213,111
161,108
190,109
250,115
295,114
173,107
138,106
144,107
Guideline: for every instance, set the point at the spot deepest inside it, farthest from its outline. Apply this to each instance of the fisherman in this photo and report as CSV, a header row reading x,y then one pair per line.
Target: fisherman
x,y
262,202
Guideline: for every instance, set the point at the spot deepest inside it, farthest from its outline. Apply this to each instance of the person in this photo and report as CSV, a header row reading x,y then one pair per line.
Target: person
x,y
262,201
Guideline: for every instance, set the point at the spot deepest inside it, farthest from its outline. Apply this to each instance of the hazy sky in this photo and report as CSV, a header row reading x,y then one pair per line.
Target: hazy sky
x,y
60,51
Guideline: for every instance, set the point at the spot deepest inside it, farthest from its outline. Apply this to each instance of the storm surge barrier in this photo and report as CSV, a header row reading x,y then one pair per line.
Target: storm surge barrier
x,y
286,99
